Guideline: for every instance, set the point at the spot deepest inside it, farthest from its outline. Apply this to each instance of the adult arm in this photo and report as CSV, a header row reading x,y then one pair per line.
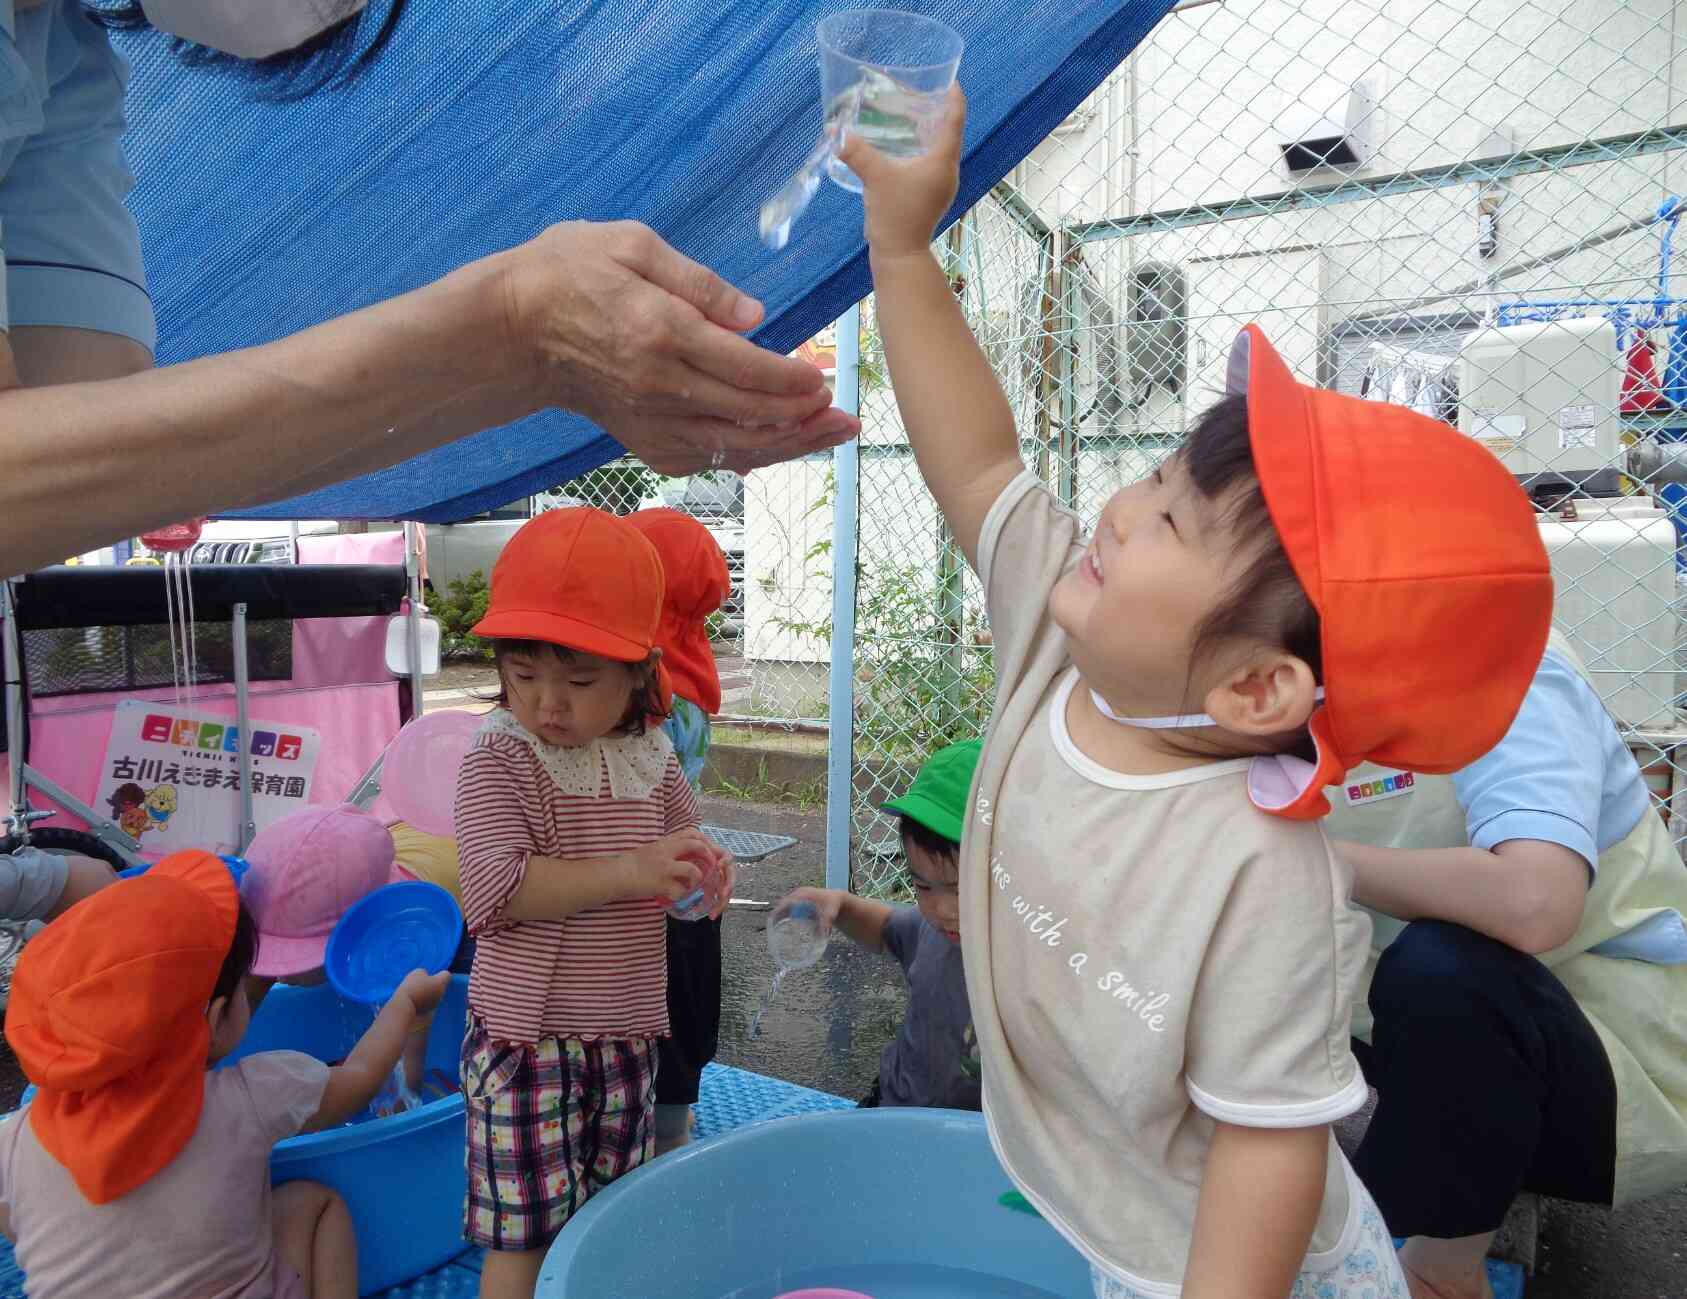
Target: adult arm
x,y
1525,893
49,354
606,320
1534,810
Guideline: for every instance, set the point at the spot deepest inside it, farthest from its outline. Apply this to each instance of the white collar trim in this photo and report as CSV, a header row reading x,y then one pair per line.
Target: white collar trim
x,y
636,763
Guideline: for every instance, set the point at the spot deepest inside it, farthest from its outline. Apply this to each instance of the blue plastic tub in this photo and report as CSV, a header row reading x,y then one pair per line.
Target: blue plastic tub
x,y
402,1177
896,1204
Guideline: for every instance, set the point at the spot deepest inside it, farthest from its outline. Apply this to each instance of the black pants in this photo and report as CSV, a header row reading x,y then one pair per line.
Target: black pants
x,y
1490,1081
693,1010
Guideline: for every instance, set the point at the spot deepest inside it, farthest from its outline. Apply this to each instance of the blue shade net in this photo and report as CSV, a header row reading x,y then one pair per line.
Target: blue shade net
x,y
484,121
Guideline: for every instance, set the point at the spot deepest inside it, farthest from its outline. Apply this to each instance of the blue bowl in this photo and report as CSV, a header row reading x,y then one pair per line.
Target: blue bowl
x,y
402,1176
396,929
892,1203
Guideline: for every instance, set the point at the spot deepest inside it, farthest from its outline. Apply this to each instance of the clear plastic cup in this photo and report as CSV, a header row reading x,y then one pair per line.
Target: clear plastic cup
x,y
885,73
794,937
697,904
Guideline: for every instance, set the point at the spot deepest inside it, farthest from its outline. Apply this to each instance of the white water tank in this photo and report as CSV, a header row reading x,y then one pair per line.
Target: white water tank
x,y
1614,597
1543,397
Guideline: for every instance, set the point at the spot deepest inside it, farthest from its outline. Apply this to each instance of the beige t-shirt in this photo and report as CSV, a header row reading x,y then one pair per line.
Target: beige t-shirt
x,y
199,1229
1157,953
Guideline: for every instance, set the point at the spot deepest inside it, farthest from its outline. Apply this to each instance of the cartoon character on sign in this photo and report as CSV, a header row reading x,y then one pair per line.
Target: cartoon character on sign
x,y
127,805
161,804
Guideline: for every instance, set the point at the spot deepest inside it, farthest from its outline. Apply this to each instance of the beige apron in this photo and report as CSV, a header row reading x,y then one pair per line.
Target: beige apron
x,y
1638,1009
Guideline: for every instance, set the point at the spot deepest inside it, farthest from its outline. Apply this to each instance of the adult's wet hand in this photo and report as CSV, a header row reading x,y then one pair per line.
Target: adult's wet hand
x,y
647,344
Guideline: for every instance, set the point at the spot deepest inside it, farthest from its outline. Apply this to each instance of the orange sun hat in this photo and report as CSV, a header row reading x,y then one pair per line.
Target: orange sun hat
x,y
107,1018
1424,560
583,579
697,584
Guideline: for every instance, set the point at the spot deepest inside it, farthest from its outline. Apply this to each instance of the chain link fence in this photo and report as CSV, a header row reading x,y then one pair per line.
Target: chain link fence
x,y
1464,208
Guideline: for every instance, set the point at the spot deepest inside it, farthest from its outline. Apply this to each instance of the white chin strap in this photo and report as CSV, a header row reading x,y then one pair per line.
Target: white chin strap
x,y
1183,721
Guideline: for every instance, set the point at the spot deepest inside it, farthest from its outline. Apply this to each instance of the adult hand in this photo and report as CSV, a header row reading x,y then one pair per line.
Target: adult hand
x,y
645,342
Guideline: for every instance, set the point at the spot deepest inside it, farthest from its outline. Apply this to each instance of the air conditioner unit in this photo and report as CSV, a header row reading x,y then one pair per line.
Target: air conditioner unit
x,y
1543,397
1330,128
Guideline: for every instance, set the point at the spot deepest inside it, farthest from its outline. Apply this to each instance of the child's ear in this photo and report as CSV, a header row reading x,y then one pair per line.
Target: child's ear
x,y
216,1015
1268,695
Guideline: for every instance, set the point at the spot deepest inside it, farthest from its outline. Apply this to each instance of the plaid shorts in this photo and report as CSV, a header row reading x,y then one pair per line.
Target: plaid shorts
x,y
548,1127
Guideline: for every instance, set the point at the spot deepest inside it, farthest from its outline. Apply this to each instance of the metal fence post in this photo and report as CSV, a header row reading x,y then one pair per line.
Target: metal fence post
x,y
840,744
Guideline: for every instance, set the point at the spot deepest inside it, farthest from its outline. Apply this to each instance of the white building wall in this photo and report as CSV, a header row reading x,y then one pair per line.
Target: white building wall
x,y
1197,116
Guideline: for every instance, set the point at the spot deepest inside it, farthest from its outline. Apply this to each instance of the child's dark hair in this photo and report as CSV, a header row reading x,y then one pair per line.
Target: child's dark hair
x,y
644,707
1265,601
241,953
927,839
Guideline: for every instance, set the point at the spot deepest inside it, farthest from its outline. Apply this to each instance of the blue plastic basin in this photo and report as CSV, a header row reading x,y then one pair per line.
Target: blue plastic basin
x,y
910,1196
401,1177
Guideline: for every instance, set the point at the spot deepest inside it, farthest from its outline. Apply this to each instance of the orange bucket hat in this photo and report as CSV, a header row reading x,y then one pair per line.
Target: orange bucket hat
x,y
1424,560
697,585
583,579
107,1018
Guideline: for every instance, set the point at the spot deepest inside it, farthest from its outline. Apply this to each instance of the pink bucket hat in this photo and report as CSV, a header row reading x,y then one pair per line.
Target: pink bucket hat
x,y
306,871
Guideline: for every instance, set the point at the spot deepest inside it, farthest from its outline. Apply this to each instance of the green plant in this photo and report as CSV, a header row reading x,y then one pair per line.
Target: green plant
x,y
463,606
805,796
924,669
715,626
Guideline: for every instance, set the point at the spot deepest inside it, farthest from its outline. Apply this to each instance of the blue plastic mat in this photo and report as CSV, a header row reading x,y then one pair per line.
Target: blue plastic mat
x,y
482,122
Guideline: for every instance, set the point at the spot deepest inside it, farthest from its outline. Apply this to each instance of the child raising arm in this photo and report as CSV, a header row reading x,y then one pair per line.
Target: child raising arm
x,y
1161,950
957,419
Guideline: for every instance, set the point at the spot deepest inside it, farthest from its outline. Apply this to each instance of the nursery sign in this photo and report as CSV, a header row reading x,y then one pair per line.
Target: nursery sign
x,y
171,778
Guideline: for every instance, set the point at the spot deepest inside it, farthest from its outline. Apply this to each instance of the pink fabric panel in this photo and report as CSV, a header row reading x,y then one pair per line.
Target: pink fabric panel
x,y
338,651
69,732
353,548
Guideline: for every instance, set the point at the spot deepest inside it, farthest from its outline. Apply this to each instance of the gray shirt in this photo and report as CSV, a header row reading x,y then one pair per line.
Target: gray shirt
x,y
933,1059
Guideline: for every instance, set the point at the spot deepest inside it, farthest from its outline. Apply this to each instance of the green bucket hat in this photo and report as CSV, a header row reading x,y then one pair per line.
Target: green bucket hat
x,y
938,797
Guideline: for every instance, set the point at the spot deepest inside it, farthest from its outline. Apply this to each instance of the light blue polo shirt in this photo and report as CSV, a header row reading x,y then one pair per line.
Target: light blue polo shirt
x,y
72,251
1563,774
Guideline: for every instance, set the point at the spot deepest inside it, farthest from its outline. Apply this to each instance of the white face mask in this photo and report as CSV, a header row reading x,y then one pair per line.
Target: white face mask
x,y
249,29
1182,721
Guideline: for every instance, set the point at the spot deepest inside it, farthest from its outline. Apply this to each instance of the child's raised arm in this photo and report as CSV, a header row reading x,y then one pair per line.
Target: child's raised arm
x,y
958,421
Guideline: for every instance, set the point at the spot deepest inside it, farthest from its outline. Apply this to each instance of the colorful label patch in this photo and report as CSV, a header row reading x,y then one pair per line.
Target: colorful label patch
x,y
1389,784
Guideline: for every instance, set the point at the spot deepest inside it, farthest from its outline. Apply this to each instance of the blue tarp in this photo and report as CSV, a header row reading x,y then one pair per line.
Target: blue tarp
x,y
484,121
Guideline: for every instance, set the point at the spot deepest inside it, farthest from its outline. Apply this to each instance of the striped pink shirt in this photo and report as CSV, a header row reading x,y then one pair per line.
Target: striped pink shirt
x,y
600,973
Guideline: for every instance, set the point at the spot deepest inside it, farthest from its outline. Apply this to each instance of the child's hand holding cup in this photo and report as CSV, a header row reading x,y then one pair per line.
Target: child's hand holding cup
x,y
907,197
